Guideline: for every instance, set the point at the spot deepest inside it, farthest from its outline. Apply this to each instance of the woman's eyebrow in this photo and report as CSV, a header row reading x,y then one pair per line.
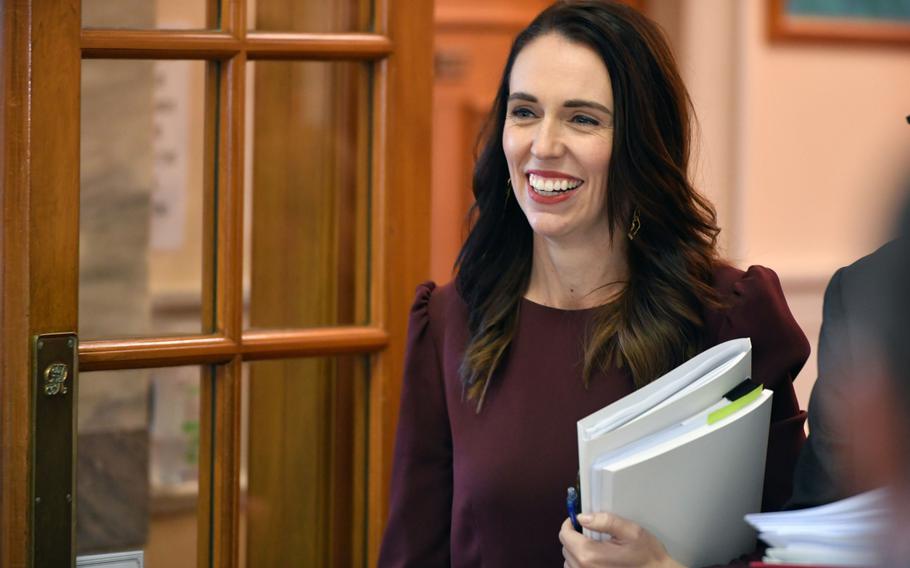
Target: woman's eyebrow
x,y
572,103
519,96
578,103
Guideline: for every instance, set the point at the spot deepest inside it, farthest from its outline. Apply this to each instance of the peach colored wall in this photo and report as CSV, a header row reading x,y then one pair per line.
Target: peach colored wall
x,y
802,145
824,133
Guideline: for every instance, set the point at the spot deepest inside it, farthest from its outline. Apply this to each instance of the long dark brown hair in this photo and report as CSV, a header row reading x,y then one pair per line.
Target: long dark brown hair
x,y
655,323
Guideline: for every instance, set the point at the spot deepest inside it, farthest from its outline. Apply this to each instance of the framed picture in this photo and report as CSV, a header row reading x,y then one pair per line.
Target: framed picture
x,y
863,21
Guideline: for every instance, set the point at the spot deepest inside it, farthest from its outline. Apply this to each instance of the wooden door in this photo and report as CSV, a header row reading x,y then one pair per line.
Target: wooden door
x,y
288,269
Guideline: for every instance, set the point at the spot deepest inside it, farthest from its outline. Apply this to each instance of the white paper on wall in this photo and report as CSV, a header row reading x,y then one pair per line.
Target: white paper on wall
x,y
133,559
170,175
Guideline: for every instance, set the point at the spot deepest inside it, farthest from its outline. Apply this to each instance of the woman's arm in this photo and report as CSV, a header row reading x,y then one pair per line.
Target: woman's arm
x,y
759,311
420,507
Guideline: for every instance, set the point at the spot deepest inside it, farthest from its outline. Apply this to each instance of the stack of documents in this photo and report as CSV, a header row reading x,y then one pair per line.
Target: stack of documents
x,y
683,456
845,533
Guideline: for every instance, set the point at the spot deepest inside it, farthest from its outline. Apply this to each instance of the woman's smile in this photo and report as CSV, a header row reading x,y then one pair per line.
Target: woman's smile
x,y
548,187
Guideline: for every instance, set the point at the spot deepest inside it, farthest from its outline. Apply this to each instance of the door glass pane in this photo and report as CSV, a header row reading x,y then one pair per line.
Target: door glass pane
x,y
147,14
303,462
141,199
315,16
138,464
308,194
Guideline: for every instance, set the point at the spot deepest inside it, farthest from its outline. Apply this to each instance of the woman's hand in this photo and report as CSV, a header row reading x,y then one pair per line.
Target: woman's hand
x,y
631,545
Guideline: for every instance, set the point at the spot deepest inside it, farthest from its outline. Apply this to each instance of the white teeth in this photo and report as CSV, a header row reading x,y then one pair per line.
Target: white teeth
x,y
540,183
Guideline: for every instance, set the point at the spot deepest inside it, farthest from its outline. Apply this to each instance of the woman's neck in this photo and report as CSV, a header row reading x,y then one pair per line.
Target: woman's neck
x,y
577,274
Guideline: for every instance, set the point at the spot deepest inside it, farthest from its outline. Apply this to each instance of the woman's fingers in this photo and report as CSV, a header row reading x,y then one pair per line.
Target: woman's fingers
x,y
572,543
614,525
630,545
568,536
569,560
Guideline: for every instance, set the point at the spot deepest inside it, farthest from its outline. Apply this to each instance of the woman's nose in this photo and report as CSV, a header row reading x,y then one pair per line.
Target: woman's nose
x,y
547,142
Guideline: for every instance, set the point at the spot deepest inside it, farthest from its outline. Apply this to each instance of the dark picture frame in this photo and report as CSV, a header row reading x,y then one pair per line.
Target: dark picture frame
x,y
871,21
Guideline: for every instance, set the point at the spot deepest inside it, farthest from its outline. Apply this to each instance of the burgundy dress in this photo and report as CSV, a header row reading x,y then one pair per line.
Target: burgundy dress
x,y
489,489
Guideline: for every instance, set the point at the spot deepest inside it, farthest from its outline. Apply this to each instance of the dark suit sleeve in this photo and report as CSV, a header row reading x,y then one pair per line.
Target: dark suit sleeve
x,y
779,350
420,506
815,480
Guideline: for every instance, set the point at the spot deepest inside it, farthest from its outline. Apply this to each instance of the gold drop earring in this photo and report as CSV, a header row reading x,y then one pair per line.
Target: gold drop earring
x,y
635,226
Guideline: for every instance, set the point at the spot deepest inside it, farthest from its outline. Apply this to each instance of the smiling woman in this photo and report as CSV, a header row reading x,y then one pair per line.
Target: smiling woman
x,y
590,270
558,138
590,93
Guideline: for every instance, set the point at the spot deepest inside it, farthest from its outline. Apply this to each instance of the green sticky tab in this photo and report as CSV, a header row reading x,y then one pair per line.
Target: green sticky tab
x,y
735,406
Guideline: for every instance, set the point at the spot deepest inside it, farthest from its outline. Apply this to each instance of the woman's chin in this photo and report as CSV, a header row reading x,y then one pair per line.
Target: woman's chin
x,y
551,231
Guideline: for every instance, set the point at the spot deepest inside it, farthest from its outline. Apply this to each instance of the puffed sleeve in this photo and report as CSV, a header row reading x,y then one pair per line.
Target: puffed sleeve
x,y
758,310
420,508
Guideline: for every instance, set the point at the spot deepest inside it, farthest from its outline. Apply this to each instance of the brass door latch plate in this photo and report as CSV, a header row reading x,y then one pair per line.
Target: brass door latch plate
x,y
54,370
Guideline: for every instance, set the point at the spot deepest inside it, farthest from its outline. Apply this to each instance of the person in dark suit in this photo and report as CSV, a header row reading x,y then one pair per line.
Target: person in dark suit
x,y
878,454
859,424
822,474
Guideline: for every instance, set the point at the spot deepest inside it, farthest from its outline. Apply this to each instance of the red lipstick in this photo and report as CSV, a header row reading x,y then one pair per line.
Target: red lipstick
x,y
550,199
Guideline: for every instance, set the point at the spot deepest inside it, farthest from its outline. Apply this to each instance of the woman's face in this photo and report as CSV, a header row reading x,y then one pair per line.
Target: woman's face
x,y
558,137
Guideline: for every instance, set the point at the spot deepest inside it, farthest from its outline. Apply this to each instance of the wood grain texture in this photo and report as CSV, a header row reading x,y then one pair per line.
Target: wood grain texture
x,y
54,201
228,251
212,116
54,193
15,393
233,15
106,355
401,224
224,393
213,298
351,46
175,44
39,239
301,343
292,284
205,529
225,484
309,191
158,44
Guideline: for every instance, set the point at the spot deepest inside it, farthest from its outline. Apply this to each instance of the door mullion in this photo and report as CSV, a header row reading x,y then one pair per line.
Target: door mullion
x,y
219,466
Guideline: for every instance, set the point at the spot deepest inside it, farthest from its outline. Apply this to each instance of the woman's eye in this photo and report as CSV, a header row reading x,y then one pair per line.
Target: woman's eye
x,y
585,120
522,112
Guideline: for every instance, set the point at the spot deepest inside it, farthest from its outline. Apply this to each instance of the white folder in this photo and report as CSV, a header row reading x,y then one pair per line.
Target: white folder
x,y
653,458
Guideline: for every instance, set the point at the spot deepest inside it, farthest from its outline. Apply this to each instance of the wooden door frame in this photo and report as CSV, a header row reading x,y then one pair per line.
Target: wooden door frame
x,y
37,40
41,51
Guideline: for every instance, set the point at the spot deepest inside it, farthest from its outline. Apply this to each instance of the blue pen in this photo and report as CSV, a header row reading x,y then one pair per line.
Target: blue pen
x,y
572,506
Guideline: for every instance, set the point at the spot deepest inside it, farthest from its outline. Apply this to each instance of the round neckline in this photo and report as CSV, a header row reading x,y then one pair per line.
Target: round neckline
x,y
544,307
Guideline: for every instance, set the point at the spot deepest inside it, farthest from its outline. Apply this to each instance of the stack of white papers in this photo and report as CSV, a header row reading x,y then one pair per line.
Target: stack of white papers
x,y
844,533
680,459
